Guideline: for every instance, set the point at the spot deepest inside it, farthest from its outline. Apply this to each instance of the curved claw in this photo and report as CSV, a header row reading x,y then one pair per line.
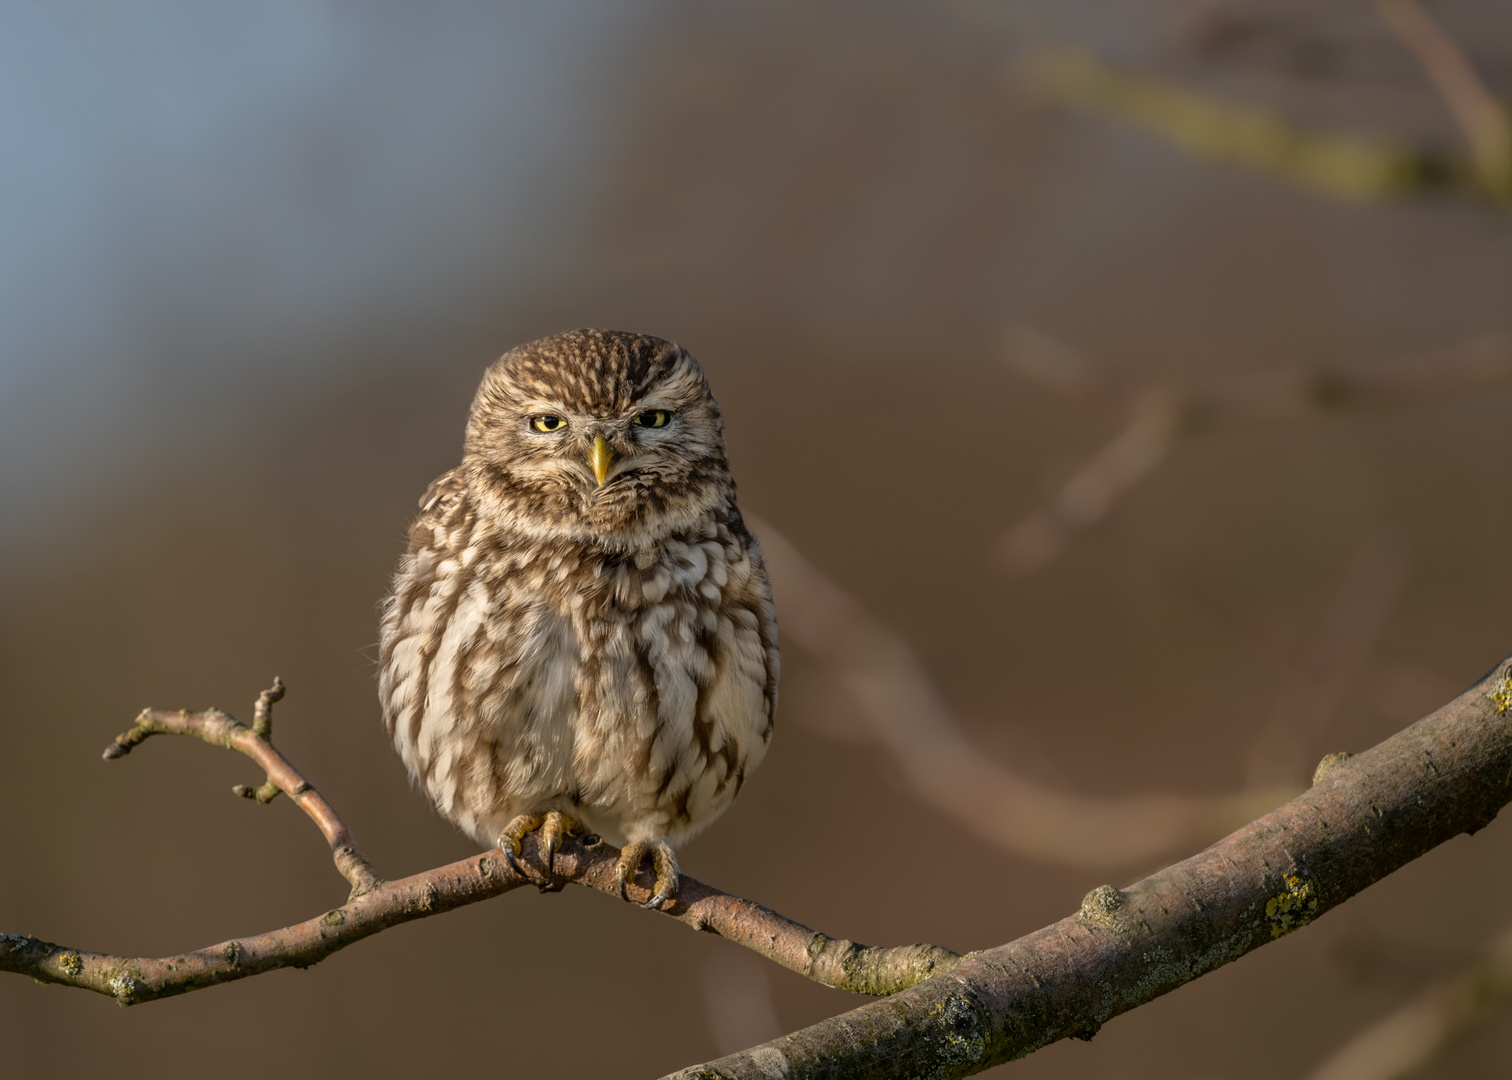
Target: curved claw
x,y
509,855
553,825
509,839
629,862
662,858
554,829
666,876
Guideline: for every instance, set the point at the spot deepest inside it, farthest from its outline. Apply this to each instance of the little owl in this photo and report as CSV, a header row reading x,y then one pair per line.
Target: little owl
x,y
581,634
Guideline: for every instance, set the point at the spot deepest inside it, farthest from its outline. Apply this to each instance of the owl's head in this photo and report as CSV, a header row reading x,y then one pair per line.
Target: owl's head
x,y
599,436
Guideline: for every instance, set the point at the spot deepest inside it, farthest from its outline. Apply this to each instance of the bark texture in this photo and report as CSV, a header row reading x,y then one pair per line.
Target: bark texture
x,y
844,965
1365,816
375,904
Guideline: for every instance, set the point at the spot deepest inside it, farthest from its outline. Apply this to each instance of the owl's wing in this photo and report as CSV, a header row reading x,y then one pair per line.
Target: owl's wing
x,y
443,509
443,491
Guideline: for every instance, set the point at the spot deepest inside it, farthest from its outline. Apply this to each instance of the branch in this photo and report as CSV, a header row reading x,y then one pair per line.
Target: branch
x,y
1355,168
222,729
1477,364
1156,421
1473,106
1159,417
375,904
1364,817
912,721
1421,1031
1352,624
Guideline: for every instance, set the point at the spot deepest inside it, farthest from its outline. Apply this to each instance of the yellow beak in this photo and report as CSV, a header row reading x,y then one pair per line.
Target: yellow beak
x,y
600,458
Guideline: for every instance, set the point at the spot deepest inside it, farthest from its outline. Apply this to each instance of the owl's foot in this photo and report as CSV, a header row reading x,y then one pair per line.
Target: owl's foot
x,y
553,825
557,827
662,859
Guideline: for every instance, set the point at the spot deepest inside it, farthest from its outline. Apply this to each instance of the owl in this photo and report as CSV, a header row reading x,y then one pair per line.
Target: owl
x,y
581,634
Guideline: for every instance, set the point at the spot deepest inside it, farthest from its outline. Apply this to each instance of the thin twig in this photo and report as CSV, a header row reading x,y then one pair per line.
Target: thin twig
x,y
262,726
375,904
262,712
222,729
1365,817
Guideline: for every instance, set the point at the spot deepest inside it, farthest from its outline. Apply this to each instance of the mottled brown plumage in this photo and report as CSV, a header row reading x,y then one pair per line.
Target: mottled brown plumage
x,y
582,627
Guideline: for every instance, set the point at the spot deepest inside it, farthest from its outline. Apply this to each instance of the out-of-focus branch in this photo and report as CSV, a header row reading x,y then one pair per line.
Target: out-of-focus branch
x,y
1155,422
1350,167
1353,622
910,719
1480,116
1160,416
1042,358
1477,364
1364,817
1407,1041
1248,614
375,904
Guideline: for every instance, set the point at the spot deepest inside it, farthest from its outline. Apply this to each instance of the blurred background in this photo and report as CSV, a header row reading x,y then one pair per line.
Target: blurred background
x,y
1135,370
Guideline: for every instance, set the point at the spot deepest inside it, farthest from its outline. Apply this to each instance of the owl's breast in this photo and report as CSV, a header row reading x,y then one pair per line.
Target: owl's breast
x,y
477,677
635,689
683,688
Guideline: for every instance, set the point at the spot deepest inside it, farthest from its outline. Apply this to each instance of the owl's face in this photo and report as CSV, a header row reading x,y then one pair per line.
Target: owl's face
x,y
598,436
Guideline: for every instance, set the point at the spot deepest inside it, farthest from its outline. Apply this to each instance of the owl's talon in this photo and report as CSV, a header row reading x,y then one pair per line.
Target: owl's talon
x,y
509,856
554,829
662,858
514,832
628,863
666,876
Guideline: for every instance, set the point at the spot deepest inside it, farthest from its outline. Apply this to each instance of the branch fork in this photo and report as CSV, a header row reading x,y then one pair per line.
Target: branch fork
x,y
222,729
375,904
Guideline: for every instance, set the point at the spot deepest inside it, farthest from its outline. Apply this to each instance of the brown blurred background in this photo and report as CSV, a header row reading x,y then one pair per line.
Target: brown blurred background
x,y
253,260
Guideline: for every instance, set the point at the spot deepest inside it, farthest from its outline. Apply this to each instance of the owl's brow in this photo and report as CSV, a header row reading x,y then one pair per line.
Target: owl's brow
x,y
536,406
656,398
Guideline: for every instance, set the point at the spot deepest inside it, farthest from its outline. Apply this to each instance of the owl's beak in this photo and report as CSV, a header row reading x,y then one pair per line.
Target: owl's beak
x,y
600,458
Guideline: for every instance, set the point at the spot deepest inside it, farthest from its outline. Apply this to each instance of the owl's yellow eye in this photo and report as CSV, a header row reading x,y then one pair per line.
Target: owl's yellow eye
x,y
546,423
653,418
